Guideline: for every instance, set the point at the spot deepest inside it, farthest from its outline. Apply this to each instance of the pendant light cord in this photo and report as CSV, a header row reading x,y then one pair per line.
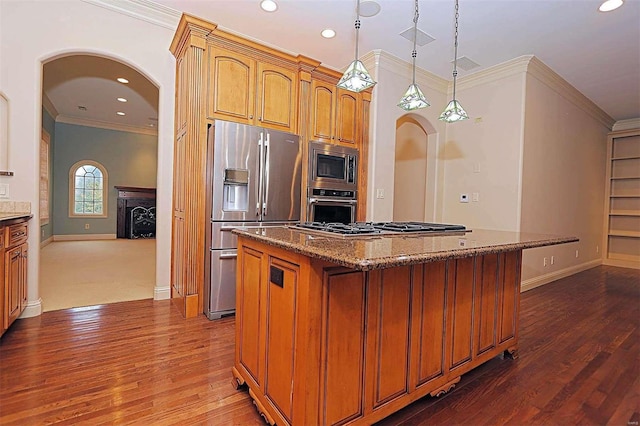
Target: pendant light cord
x,y
455,53
357,25
414,53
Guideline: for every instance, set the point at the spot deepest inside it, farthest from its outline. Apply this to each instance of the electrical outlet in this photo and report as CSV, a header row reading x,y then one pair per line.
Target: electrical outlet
x,y
552,260
42,233
577,253
597,249
86,226
4,190
380,193
544,261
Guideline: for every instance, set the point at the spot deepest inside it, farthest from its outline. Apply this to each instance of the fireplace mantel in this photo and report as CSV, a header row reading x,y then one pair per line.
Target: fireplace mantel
x,y
128,198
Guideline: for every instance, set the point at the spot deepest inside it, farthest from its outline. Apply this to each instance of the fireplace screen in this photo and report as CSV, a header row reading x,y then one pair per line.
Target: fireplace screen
x,y
142,222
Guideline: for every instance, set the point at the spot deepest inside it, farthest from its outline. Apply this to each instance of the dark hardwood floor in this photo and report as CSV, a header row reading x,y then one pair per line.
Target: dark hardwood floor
x,y
141,363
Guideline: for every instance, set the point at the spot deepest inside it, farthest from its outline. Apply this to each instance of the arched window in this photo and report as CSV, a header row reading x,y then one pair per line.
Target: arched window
x,y
88,189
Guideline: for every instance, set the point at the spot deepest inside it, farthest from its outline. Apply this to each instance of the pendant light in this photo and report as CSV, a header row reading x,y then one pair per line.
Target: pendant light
x,y
413,97
356,78
454,111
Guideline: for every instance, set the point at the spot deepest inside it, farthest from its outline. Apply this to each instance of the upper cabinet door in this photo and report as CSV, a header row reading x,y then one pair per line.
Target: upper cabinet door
x,y
322,110
277,98
231,83
347,113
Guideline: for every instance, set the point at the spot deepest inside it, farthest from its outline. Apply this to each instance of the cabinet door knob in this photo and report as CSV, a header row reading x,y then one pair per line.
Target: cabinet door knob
x,y
260,119
251,117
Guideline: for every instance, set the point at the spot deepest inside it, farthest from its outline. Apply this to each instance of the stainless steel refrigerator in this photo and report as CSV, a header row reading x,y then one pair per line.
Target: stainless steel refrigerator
x,y
254,180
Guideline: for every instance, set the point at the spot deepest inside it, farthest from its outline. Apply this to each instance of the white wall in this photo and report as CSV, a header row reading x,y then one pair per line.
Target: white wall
x,y
394,76
563,176
37,31
484,152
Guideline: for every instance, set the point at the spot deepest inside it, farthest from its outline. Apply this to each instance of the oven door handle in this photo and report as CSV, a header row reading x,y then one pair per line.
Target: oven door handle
x,y
331,200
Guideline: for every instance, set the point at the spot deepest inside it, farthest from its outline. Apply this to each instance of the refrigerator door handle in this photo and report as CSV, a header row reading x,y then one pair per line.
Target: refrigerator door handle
x,y
260,173
229,254
266,174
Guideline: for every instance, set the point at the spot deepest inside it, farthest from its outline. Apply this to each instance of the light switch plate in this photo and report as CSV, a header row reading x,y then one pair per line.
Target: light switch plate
x,y
4,190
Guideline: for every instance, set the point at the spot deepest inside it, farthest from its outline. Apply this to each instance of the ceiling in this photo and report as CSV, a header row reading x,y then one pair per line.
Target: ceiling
x,y
598,53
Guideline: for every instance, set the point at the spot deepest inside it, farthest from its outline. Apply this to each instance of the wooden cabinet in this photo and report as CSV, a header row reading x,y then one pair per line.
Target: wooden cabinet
x,y
335,114
317,343
266,316
14,267
244,90
223,76
621,243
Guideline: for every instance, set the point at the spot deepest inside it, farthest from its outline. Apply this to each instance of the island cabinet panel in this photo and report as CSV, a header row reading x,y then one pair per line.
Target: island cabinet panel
x,y
509,296
280,342
429,319
487,291
343,346
389,308
248,318
460,308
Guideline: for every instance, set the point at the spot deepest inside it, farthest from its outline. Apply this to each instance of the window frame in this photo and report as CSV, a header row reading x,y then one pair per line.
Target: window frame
x,y
72,188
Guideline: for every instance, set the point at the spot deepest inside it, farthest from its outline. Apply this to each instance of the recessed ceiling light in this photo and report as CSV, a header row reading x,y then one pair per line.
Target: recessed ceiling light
x,y
610,5
120,113
328,33
369,9
122,80
269,5
122,100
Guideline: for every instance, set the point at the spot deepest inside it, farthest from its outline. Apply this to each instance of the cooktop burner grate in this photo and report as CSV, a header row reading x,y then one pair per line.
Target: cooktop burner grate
x,y
341,228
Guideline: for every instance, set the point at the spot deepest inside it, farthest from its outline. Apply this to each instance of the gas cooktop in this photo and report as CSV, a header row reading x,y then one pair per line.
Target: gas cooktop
x,y
379,228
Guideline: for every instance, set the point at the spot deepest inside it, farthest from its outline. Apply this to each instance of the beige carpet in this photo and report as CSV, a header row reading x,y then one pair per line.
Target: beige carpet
x,y
85,273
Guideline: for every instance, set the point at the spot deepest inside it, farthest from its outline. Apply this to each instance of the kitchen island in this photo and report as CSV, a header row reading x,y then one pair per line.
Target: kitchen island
x,y
347,330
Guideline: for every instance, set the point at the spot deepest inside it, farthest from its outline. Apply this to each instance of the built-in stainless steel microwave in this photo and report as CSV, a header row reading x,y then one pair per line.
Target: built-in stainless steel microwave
x,y
332,166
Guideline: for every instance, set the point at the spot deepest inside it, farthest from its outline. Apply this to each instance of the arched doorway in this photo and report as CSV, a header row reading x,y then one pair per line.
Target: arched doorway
x,y
414,174
91,117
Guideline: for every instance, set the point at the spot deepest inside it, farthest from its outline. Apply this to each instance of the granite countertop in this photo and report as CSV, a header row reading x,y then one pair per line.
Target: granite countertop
x,y
14,215
373,252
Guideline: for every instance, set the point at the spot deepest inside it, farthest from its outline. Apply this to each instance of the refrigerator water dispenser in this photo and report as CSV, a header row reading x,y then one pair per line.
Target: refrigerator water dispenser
x,y
235,190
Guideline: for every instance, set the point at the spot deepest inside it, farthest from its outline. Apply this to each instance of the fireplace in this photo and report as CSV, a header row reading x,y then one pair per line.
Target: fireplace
x,y
136,212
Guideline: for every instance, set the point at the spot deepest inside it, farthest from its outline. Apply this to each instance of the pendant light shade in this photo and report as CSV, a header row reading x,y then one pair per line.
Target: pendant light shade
x,y
414,98
356,78
454,111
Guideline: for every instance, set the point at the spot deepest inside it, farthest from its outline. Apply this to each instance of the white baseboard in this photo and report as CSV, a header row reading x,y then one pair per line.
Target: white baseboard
x,y
556,275
33,309
161,293
46,242
84,237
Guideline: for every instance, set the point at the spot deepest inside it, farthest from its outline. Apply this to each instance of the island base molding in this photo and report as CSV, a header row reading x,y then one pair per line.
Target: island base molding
x,y
321,344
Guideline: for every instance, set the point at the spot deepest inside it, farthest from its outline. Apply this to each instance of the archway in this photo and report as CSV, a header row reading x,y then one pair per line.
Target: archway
x,y
80,101
414,179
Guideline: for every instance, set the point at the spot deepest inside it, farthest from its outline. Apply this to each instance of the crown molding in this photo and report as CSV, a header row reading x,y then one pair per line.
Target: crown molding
x,y
104,125
49,107
399,66
145,10
495,73
542,72
630,124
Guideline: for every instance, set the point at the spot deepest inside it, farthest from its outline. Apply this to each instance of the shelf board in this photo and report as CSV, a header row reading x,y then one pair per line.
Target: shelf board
x,y
625,196
624,177
630,157
623,233
624,213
